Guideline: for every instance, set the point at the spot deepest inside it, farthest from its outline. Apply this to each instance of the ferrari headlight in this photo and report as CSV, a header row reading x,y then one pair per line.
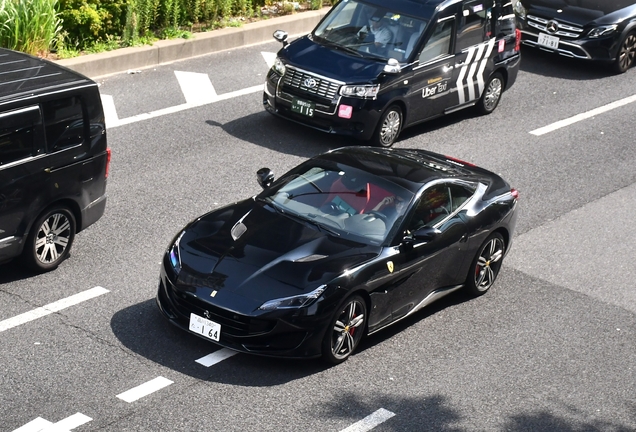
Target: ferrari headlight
x,y
601,31
294,302
279,66
520,10
175,254
360,91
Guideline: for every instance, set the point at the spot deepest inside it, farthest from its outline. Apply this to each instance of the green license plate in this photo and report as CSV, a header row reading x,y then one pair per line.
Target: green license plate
x,y
303,107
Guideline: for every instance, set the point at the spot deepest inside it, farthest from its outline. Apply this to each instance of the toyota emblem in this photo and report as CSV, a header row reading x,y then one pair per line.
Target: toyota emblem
x,y
552,27
310,83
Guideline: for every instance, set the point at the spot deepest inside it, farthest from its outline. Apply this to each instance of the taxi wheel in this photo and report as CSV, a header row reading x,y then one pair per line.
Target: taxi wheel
x,y
492,94
50,240
626,53
388,128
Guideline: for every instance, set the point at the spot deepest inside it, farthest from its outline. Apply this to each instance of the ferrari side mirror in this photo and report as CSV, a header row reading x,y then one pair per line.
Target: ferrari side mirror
x,y
265,177
425,234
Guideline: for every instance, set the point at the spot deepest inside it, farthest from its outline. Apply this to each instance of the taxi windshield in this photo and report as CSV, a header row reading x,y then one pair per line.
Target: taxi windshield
x,y
368,30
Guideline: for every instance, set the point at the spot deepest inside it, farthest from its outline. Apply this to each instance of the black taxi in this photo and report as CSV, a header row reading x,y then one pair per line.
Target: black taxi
x,y
371,68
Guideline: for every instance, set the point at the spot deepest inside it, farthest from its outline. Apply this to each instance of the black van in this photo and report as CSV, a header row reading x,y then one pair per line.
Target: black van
x,y
53,159
372,67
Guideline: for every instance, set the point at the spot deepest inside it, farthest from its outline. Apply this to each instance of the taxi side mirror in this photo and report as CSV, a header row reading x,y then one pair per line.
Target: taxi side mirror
x,y
281,36
265,177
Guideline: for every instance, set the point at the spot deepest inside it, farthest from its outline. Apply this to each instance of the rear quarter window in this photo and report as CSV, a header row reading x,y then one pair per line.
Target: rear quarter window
x,y
64,122
19,134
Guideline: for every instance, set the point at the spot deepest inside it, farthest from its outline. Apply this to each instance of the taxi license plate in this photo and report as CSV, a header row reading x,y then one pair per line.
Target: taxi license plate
x,y
205,327
548,41
303,107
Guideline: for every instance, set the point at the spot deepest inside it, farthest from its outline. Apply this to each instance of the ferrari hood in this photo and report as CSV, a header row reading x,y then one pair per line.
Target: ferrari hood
x,y
332,62
252,251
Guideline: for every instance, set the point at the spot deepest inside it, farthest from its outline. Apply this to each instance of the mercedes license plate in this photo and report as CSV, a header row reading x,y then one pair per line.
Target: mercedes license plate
x,y
205,327
548,41
303,107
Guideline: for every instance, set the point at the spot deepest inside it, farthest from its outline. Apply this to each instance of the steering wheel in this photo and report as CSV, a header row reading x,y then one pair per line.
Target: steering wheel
x,y
377,214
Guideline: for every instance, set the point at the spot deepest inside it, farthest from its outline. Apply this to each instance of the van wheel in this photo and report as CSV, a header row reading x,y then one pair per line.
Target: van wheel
x,y
388,127
50,239
492,94
626,53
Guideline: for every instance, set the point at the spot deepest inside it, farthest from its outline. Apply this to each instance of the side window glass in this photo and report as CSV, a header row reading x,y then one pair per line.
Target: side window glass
x,y
440,41
18,134
64,123
433,206
475,24
458,196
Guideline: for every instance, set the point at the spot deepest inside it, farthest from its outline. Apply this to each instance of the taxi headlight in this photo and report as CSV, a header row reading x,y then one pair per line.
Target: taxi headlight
x,y
279,66
293,302
360,91
601,31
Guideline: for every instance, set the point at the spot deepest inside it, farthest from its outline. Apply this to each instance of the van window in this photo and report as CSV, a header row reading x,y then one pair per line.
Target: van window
x,y
440,41
18,134
64,123
475,23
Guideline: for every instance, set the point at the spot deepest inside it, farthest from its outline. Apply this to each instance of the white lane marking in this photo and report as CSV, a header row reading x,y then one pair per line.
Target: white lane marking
x,y
216,357
269,57
51,308
196,87
370,421
186,106
577,118
67,424
35,425
110,112
144,389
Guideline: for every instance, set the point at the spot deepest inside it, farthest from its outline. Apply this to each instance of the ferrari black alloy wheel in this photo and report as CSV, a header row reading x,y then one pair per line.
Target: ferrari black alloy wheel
x,y
345,331
626,53
50,240
486,265
492,94
389,127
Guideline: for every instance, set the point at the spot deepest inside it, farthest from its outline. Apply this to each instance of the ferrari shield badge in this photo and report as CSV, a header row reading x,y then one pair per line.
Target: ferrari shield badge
x,y
389,265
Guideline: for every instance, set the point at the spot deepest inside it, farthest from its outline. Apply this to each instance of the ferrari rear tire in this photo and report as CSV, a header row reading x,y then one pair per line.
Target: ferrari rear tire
x,y
345,330
626,53
50,240
486,265
388,127
492,94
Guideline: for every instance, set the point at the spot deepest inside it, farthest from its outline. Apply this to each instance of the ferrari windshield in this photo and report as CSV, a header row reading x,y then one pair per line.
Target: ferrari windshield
x,y
369,30
344,201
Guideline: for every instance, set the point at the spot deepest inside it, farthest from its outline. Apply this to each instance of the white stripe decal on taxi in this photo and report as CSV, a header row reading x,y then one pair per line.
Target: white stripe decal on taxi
x,y
481,49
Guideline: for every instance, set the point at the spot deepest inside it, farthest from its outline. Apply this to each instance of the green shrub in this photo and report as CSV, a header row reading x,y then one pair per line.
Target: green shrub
x,y
29,25
88,22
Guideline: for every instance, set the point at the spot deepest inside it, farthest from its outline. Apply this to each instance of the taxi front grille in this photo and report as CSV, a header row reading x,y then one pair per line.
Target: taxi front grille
x,y
309,84
563,30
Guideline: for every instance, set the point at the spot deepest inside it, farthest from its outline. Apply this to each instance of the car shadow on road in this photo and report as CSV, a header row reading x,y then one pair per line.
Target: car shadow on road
x,y
548,64
13,271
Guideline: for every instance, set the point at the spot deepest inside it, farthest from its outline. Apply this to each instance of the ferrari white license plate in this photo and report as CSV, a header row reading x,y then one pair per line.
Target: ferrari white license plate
x,y
205,327
548,41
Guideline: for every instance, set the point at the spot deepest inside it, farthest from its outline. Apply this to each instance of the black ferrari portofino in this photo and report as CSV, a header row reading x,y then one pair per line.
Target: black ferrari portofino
x,y
341,246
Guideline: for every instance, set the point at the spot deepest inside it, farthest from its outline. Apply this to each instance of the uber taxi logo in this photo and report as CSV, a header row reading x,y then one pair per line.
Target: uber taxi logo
x,y
389,265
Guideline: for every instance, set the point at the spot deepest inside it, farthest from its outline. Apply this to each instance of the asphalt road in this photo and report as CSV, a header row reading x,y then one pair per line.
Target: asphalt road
x,y
551,347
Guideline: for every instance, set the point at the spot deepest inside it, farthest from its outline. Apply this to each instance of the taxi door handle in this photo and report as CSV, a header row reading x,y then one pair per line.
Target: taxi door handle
x,y
459,64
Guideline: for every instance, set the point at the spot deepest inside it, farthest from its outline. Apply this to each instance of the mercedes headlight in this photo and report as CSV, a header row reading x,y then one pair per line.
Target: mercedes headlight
x,y
360,91
293,302
602,31
520,10
174,254
279,67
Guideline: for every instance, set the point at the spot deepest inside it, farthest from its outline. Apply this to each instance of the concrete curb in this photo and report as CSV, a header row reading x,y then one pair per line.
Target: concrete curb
x,y
166,51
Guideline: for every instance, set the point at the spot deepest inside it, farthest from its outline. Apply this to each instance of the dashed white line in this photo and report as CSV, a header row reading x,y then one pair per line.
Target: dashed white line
x,y
110,112
577,118
216,357
67,424
370,421
144,389
51,308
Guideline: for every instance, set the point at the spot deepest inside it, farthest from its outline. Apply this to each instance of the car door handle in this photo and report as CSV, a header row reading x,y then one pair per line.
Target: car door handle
x,y
460,64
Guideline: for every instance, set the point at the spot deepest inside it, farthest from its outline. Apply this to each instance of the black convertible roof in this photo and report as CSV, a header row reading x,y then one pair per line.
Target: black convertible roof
x,y
22,74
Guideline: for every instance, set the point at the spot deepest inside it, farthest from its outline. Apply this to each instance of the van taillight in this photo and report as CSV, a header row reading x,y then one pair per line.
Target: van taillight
x,y
517,40
515,193
107,162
